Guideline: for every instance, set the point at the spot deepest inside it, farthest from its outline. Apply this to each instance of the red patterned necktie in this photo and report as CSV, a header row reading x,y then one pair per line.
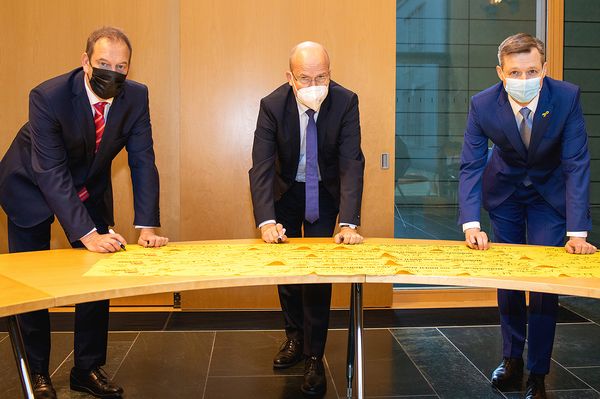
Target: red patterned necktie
x,y
99,124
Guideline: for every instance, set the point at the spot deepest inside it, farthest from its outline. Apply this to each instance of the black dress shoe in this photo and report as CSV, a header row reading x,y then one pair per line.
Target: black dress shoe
x,y
509,372
314,383
95,382
535,387
42,386
289,354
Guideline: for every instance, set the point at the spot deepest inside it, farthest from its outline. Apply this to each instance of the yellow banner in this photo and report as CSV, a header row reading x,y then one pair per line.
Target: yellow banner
x,y
430,259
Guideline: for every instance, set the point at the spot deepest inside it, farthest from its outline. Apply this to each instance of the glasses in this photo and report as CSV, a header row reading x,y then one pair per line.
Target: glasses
x,y
319,79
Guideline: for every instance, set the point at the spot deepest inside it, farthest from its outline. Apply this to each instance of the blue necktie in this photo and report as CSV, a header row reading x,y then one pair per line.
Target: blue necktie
x,y
311,210
525,131
525,126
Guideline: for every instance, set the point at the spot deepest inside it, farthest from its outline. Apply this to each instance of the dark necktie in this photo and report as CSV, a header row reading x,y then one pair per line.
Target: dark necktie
x,y
525,126
311,210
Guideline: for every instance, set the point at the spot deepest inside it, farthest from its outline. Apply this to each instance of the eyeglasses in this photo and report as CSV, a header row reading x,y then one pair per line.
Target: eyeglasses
x,y
319,79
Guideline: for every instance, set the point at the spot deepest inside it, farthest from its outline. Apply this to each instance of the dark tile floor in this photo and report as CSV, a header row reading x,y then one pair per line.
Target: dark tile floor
x,y
422,354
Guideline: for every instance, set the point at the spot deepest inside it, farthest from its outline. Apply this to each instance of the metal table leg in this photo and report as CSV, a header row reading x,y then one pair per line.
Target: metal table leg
x,y
355,342
358,337
19,351
350,353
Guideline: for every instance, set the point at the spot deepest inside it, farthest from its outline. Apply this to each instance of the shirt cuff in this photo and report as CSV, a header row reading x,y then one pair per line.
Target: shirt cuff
x,y
582,234
471,225
91,231
266,222
352,226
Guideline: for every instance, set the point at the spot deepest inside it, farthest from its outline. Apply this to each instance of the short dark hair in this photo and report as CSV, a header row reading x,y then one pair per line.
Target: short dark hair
x,y
520,43
109,32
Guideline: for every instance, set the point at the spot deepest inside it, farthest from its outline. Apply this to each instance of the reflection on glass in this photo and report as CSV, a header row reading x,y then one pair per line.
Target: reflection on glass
x,y
445,53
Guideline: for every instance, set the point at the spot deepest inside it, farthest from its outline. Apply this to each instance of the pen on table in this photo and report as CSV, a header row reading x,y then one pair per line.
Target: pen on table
x,y
280,237
111,231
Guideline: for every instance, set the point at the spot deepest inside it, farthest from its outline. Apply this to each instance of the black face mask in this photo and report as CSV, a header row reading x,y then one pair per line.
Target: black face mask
x,y
106,84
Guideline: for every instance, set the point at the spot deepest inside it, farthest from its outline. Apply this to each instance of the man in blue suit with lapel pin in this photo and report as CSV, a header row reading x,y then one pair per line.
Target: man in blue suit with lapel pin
x,y
534,185
60,164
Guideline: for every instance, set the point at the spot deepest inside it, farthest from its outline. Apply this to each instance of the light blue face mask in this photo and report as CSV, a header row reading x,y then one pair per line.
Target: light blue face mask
x,y
523,90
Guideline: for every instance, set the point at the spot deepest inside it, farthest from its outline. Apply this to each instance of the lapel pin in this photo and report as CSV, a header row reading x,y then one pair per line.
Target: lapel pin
x,y
545,114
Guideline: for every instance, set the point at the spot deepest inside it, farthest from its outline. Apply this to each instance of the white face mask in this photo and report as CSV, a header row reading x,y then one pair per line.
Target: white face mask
x,y
311,96
523,90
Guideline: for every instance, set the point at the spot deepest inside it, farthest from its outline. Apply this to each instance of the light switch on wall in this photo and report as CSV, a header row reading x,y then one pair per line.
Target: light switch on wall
x,y
385,160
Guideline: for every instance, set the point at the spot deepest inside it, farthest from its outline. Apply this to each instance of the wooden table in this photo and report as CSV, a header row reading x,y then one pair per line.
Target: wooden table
x,y
39,280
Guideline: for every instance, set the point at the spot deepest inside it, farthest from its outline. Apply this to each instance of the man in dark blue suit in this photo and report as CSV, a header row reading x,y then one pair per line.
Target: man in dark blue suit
x,y
534,183
307,167
60,164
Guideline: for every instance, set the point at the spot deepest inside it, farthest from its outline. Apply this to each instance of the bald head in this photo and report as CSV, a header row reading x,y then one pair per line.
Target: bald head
x,y
308,54
309,65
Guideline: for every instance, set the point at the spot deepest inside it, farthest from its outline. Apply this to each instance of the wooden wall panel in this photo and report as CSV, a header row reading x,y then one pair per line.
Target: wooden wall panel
x,y
555,38
48,38
265,297
207,64
233,54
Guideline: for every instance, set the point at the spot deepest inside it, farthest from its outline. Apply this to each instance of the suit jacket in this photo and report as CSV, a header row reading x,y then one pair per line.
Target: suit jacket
x,y
52,157
276,151
557,161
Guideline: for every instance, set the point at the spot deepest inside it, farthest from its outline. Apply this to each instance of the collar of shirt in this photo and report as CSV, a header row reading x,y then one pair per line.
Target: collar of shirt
x,y
516,108
302,111
94,98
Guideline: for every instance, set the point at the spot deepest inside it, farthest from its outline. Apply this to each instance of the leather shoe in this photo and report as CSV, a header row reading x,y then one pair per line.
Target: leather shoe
x,y
509,372
289,354
314,383
535,387
42,386
95,382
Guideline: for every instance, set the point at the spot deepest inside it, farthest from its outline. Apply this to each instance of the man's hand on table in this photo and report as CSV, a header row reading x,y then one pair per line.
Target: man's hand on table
x,y
273,233
578,245
348,235
149,238
103,243
476,239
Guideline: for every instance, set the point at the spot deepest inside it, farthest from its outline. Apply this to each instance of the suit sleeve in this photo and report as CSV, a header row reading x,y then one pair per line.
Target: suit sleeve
x,y
351,165
50,167
262,173
144,174
473,161
575,159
